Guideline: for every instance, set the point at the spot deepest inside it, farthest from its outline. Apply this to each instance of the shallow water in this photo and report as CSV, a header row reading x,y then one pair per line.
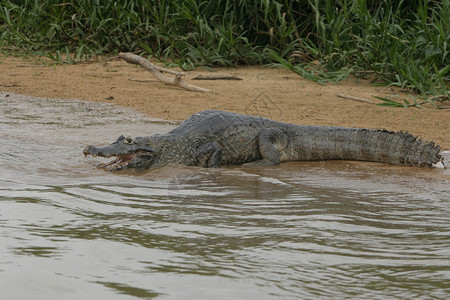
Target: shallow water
x,y
306,230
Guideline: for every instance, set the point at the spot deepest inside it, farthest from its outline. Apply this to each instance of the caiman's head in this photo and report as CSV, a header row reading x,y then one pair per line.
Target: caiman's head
x,y
127,153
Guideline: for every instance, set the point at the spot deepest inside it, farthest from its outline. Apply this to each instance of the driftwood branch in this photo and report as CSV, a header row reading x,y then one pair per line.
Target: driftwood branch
x,y
162,70
354,98
158,72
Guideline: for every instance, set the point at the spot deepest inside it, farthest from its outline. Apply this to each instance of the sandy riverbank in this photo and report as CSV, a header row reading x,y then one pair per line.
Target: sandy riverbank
x,y
275,93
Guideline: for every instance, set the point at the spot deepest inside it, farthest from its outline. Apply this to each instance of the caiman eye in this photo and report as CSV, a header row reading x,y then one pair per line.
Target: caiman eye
x,y
128,141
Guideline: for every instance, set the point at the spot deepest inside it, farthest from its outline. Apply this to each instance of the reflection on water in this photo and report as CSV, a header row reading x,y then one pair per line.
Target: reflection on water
x,y
300,230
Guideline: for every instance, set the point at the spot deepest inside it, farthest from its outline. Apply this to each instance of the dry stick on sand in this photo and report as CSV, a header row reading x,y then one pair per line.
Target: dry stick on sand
x,y
31,66
158,72
143,80
354,98
216,77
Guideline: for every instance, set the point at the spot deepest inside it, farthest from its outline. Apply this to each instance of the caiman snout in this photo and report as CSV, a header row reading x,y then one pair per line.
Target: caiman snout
x,y
89,150
121,147
126,153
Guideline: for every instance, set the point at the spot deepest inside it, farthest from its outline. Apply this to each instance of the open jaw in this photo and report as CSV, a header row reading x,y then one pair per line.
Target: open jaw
x,y
118,162
124,155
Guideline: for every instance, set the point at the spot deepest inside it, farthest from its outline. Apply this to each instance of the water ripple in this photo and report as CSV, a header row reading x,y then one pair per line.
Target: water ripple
x,y
301,230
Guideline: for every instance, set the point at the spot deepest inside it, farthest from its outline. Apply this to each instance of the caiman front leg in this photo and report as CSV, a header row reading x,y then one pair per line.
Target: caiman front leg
x,y
270,141
209,155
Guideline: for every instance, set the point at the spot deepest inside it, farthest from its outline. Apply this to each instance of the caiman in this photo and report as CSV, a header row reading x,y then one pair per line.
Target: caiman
x,y
215,138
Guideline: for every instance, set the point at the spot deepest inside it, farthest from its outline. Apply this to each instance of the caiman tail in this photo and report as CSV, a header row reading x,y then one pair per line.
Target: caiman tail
x,y
397,148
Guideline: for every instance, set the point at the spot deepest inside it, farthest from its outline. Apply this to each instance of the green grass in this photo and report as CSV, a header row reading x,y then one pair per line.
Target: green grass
x,y
401,43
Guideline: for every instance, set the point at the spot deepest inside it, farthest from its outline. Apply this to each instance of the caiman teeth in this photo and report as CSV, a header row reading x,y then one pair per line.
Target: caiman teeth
x,y
118,162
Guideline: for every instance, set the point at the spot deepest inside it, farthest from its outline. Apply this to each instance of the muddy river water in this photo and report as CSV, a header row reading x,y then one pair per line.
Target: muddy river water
x,y
301,230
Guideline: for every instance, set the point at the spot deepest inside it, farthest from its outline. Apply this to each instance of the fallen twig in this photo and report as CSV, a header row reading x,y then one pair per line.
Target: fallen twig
x,y
31,66
143,80
354,98
157,72
216,77
443,97
10,85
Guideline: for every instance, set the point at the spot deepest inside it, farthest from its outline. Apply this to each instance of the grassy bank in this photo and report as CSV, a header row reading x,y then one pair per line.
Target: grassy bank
x,y
403,43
